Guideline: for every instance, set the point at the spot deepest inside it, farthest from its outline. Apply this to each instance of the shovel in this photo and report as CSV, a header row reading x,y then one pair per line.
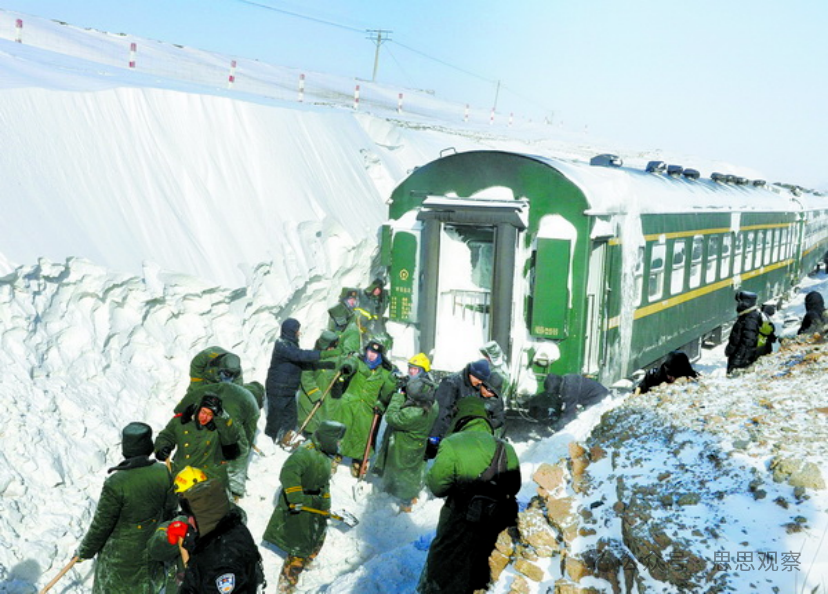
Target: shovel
x,y
359,487
343,516
298,439
60,575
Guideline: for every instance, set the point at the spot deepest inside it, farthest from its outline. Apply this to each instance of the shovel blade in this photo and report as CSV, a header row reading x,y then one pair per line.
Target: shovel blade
x,y
345,517
361,489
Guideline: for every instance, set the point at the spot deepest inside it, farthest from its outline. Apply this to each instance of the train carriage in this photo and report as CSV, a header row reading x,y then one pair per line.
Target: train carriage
x,y
577,268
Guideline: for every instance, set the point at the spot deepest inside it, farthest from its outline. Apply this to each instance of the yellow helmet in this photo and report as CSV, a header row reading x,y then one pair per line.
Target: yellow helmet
x,y
420,360
188,477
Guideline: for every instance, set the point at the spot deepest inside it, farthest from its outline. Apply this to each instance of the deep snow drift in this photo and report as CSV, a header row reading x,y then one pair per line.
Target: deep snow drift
x,y
145,219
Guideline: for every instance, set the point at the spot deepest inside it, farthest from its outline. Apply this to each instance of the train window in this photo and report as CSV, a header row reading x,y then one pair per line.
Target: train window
x,y
784,247
768,247
724,268
712,258
656,282
679,262
737,253
639,275
696,262
777,238
760,242
749,251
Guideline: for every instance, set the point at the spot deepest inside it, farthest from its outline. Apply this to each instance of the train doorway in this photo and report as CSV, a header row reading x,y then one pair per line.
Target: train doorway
x,y
468,275
464,294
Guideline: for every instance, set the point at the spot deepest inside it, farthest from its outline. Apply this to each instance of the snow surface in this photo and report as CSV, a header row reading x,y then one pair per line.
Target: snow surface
x,y
145,218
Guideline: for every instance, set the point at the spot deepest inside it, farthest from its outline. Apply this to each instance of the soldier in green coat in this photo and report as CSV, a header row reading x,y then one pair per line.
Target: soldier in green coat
x,y
317,382
408,420
369,391
479,476
209,363
296,526
243,409
346,323
134,500
204,436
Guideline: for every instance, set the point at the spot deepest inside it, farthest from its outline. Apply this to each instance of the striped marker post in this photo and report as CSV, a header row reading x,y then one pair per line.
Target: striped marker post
x,y
301,87
232,77
399,103
133,47
18,31
466,113
511,118
491,117
356,97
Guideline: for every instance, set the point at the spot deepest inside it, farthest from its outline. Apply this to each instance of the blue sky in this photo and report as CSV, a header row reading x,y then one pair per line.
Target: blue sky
x,y
738,81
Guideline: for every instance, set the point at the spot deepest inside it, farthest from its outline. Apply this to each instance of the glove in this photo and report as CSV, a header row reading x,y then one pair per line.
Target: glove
x,y
177,530
164,453
296,508
378,410
432,445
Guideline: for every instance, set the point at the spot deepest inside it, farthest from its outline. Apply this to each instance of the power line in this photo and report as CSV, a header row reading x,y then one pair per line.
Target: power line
x,y
444,63
302,16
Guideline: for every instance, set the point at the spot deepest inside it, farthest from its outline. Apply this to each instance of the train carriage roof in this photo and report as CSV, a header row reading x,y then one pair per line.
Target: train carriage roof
x,y
610,190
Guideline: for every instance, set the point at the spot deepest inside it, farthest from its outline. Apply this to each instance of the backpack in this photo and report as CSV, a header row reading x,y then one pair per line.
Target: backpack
x,y
765,330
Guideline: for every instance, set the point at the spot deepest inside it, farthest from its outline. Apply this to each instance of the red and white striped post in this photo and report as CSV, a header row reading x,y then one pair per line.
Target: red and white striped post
x,y
511,118
399,103
133,47
18,30
301,87
491,117
356,97
466,113
232,77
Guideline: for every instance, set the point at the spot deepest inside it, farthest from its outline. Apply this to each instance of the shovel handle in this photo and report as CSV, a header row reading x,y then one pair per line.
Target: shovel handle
x,y
363,468
185,554
318,403
60,575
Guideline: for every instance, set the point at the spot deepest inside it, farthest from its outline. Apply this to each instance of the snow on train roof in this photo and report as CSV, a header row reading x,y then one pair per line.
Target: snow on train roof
x,y
611,190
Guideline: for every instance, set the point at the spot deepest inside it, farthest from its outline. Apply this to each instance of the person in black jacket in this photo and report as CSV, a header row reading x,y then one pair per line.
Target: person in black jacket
x,y
286,366
564,397
676,364
744,337
815,318
451,390
222,554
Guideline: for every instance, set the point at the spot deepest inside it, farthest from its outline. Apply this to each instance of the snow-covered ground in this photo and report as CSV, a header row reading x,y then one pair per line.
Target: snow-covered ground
x,y
145,218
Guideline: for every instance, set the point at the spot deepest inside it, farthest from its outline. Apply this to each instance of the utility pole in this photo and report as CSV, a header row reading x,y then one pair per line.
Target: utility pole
x,y
497,93
381,36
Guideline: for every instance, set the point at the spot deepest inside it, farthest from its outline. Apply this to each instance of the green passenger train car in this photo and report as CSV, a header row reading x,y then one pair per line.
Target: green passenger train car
x,y
576,268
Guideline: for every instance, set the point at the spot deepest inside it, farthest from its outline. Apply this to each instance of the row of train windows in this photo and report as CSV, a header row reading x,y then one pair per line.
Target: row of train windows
x,y
677,265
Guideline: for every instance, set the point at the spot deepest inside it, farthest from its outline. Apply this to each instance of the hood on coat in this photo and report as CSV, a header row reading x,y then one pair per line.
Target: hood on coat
x,y
207,502
552,384
290,329
469,409
326,340
677,364
226,368
421,390
327,437
814,302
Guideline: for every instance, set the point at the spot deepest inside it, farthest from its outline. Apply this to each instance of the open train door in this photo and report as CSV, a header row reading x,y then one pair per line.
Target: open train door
x,y
468,275
596,306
